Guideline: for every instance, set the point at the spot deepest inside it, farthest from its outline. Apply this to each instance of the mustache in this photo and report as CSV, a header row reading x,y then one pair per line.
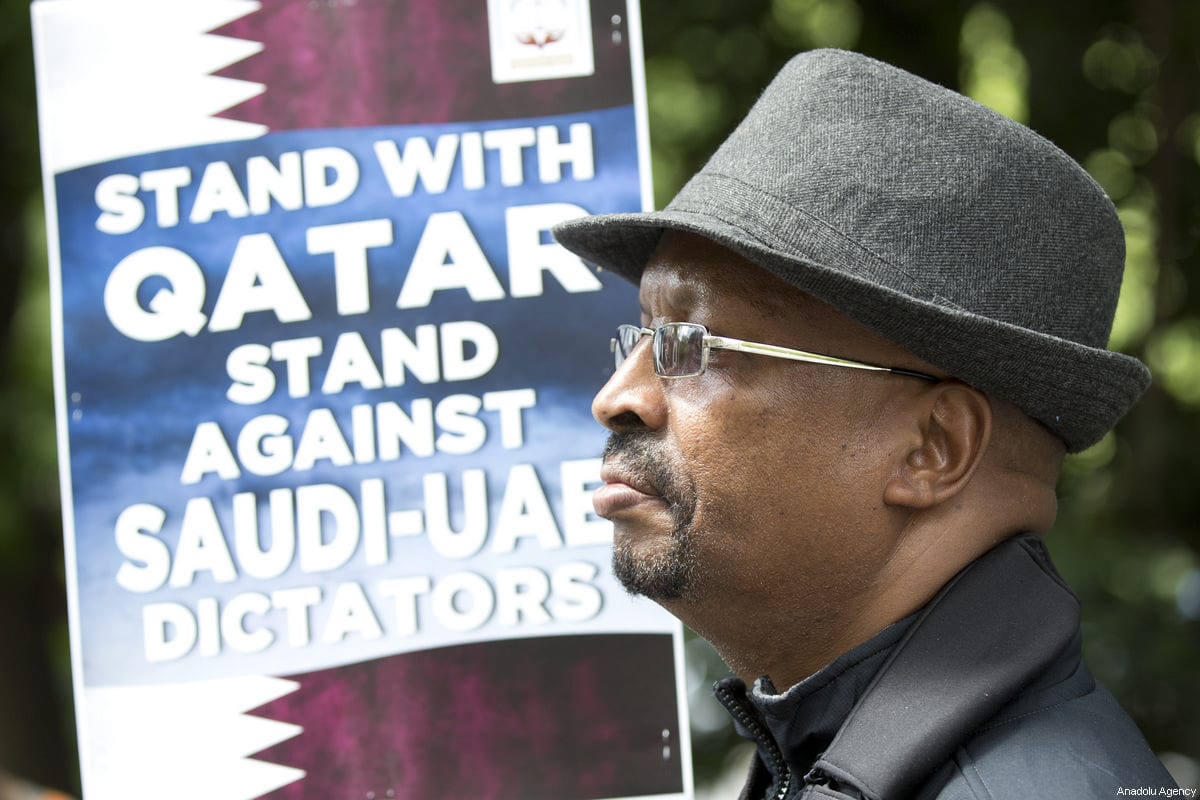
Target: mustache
x,y
640,454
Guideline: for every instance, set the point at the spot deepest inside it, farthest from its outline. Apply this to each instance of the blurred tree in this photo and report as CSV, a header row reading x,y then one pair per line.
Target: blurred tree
x,y
1113,83
36,735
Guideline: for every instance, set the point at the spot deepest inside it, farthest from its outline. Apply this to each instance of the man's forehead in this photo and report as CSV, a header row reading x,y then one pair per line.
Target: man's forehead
x,y
687,271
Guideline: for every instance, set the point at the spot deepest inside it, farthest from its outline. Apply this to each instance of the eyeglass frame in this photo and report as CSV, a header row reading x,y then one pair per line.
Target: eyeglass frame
x,y
711,342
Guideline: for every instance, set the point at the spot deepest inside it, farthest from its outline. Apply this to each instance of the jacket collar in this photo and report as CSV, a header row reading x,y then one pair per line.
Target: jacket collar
x,y
882,717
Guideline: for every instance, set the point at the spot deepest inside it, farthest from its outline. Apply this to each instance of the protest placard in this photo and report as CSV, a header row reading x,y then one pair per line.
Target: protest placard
x,y
323,385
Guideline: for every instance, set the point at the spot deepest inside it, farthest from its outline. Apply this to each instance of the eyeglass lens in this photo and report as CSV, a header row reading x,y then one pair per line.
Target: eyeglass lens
x,y
678,348
627,338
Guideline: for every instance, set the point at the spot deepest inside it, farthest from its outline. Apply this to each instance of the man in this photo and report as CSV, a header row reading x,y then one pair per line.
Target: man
x,y
870,329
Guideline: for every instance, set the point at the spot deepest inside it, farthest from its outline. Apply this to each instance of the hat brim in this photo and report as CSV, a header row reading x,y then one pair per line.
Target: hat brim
x,y
1078,392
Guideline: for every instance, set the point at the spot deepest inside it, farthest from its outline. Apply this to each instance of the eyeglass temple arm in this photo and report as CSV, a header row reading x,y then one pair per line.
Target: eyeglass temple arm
x,y
725,343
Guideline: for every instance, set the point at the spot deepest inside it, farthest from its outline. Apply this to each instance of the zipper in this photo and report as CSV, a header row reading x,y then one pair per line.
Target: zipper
x,y
762,736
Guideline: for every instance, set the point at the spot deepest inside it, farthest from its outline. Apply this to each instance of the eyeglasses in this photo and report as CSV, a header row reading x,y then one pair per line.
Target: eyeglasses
x,y
681,351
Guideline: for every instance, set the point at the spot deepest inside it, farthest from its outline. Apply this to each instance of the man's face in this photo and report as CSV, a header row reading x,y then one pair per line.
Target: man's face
x,y
760,475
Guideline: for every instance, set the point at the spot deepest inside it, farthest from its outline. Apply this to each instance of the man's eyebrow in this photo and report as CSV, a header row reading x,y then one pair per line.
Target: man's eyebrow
x,y
677,294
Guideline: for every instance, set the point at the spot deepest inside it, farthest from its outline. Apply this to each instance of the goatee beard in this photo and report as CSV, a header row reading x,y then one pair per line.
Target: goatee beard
x,y
665,575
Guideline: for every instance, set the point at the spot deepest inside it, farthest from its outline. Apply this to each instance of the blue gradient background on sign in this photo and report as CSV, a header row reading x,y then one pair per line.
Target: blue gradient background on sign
x,y
133,406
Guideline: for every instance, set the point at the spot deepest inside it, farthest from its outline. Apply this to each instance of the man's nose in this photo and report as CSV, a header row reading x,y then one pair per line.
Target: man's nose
x,y
633,398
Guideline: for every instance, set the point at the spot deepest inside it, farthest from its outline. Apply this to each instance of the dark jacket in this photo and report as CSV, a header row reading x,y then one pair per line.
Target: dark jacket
x,y
981,695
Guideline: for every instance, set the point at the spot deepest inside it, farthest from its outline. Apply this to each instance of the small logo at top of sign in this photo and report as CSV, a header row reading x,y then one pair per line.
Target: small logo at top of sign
x,y
534,40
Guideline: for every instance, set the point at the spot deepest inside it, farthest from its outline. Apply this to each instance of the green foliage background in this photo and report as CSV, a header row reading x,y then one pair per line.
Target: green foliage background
x,y
1116,84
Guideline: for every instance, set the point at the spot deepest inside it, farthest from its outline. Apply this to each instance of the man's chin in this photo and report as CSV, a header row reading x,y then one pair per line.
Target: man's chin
x,y
662,577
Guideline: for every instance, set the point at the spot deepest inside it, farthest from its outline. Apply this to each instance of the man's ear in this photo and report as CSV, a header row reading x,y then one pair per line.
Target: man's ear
x,y
953,426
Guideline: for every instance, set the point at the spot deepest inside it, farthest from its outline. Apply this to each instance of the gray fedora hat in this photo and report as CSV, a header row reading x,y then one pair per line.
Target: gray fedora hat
x,y
941,225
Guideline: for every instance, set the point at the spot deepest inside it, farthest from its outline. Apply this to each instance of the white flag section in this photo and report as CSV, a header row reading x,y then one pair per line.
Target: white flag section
x,y
95,77
323,386
195,738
